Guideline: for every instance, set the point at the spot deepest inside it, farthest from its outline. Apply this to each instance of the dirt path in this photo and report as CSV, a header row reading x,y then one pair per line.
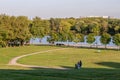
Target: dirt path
x,y
14,60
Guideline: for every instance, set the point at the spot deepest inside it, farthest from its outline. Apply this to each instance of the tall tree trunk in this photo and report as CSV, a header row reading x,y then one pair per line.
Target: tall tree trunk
x,y
22,42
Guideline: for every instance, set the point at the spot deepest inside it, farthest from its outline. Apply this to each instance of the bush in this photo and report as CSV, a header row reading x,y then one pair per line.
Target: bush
x,y
2,44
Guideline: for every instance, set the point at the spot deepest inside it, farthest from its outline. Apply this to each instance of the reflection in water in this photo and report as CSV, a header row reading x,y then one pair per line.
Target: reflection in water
x,y
44,41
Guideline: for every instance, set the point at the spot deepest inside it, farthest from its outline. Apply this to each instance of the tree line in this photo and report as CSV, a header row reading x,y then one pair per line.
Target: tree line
x,y
18,30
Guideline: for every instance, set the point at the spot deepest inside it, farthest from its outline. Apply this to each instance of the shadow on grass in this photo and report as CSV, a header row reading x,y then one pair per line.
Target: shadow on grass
x,y
109,64
66,74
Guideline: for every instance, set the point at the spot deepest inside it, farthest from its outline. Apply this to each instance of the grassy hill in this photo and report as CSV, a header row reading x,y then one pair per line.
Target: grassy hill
x,y
96,66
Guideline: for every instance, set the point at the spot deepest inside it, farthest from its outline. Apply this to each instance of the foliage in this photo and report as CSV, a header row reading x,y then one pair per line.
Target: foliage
x,y
20,29
91,38
39,28
116,39
78,38
14,29
105,38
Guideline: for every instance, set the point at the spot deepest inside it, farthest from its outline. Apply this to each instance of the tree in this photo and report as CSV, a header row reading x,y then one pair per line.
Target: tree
x,y
104,26
105,38
2,38
22,29
70,37
55,24
39,28
94,28
52,38
64,30
80,27
78,38
54,30
117,29
116,40
91,38
5,29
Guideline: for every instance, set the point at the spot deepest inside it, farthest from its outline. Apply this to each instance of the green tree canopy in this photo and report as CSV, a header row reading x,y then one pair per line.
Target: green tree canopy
x,y
91,38
116,40
105,38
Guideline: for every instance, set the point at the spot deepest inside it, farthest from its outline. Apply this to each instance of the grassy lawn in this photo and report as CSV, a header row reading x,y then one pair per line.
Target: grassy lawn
x,y
96,66
6,54
68,57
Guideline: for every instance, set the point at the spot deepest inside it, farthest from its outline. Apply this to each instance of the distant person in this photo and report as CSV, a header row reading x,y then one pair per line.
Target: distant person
x,y
78,65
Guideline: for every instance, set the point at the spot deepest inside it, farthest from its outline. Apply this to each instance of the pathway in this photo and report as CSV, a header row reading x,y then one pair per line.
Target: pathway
x,y
14,60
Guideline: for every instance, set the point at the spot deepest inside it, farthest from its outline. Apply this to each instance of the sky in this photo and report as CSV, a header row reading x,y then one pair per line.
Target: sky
x,y
60,8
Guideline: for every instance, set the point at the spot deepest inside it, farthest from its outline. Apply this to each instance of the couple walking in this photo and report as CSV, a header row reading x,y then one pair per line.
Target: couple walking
x,y
78,65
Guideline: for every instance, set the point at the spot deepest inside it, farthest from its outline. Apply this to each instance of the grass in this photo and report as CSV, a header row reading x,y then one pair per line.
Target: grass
x,y
68,57
96,66
6,54
54,74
